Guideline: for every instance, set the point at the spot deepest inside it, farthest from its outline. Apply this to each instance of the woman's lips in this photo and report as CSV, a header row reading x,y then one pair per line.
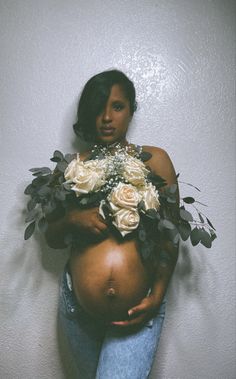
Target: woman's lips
x,y
107,130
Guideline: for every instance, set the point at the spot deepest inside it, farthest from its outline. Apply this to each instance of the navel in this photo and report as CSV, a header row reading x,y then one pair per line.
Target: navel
x,y
111,292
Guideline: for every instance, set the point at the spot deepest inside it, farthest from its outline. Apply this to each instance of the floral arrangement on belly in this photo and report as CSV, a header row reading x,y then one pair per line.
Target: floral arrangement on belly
x,y
134,201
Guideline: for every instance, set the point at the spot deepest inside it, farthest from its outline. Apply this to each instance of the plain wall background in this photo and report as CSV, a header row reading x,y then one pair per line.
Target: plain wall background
x,y
181,56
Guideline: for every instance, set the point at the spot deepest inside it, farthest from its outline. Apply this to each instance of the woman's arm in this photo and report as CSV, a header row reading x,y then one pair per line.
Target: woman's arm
x,y
79,220
160,164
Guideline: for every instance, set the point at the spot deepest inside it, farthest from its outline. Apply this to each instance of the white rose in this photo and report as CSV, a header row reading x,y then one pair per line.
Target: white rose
x,y
87,176
69,173
135,171
124,196
126,220
150,197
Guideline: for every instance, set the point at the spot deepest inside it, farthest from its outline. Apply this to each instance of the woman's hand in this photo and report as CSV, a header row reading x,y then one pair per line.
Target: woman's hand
x,y
87,219
141,313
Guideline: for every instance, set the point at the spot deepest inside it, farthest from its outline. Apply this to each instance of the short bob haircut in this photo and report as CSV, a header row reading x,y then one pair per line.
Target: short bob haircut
x,y
94,97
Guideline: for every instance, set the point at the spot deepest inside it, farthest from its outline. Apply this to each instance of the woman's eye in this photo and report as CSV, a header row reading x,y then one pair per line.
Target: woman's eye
x,y
118,106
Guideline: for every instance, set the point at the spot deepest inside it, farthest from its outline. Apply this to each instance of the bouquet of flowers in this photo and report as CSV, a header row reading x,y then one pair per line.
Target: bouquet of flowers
x,y
131,198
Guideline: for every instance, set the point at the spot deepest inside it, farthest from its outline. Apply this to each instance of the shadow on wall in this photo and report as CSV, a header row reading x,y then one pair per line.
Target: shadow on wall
x,y
186,295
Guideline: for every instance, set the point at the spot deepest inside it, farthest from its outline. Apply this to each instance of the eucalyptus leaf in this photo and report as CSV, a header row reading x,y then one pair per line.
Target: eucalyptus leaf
x,y
189,200
195,236
185,215
151,213
44,191
84,201
32,215
35,169
141,206
58,154
205,238
142,235
201,218
145,251
41,171
145,156
209,223
29,230
61,166
171,200
172,188
67,186
168,224
42,224
184,230
60,194
213,235
29,190
31,204
55,159
191,185
68,239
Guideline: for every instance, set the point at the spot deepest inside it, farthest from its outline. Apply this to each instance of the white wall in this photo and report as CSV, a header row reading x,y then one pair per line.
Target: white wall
x,y
181,56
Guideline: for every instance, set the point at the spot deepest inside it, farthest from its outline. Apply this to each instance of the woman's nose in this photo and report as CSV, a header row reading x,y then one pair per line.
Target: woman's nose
x,y
107,114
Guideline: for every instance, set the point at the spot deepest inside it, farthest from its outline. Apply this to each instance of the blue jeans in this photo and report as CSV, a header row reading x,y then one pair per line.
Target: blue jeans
x,y
105,352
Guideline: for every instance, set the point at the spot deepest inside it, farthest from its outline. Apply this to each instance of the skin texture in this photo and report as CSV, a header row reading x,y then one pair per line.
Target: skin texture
x,y
108,276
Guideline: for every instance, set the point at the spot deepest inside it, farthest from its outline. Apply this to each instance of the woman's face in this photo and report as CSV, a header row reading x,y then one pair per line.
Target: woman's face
x,y
112,123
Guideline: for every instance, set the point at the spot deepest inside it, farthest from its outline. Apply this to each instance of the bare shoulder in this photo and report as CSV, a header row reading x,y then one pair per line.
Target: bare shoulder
x,y
160,163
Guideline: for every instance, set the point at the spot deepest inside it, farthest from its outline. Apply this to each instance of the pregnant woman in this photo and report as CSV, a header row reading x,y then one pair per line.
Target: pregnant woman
x,y
112,303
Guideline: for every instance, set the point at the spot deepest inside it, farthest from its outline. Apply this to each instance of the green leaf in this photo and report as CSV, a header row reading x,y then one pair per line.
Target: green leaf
x,y
185,215
29,230
32,215
195,236
68,239
41,171
189,200
172,188
142,235
201,218
57,154
157,180
31,204
141,206
168,224
29,190
67,186
213,235
84,201
209,223
55,159
145,251
189,184
60,194
61,166
145,156
171,200
184,230
42,224
151,213
44,191
205,238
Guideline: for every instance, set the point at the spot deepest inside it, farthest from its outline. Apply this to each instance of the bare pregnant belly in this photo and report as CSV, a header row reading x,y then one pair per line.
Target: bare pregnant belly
x,y
109,278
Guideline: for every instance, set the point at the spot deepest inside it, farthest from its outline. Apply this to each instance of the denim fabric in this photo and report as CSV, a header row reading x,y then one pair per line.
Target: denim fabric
x,y
105,352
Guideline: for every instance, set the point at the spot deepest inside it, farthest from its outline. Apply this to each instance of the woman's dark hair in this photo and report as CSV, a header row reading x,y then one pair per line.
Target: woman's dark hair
x,y
94,97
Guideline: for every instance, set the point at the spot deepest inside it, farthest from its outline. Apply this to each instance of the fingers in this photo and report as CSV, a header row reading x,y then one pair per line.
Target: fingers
x,y
130,323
